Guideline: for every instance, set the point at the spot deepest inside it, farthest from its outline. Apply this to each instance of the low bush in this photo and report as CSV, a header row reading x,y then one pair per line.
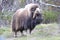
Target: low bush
x,y
50,16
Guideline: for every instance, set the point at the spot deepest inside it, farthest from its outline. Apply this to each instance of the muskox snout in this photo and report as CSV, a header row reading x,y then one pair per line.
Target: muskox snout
x,y
39,18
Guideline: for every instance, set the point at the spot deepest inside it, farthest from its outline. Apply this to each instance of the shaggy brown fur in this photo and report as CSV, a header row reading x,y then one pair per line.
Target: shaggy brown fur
x,y
26,18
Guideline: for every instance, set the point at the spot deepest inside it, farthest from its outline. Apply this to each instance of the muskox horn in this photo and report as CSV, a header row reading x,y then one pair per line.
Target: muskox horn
x,y
36,11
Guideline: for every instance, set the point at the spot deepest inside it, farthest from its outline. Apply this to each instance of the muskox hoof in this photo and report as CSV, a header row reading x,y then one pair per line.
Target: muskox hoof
x,y
15,36
28,32
22,34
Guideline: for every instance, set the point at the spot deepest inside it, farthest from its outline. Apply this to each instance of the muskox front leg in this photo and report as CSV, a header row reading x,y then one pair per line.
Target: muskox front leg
x,y
30,31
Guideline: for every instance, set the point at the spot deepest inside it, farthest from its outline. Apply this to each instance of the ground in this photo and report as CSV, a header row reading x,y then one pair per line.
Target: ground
x,y
41,32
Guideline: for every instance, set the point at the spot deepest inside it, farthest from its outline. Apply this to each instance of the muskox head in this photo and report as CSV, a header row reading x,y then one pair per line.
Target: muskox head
x,y
36,13
37,17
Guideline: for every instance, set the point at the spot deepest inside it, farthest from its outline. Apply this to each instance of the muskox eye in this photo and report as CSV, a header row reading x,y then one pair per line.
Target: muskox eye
x,y
33,9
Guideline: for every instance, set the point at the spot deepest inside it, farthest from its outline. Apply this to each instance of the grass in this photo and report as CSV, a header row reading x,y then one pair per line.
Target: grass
x,y
41,32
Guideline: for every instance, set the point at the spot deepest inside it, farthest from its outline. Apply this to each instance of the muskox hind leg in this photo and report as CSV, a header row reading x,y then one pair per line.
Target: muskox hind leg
x,y
15,34
14,27
21,30
21,33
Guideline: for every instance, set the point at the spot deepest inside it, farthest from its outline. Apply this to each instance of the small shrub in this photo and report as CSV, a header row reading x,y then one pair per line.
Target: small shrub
x,y
50,16
1,31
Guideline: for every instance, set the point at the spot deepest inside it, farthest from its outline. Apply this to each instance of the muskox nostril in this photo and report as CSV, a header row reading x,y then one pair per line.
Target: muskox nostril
x,y
37,14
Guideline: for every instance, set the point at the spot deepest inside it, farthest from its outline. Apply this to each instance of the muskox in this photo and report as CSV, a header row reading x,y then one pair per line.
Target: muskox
x,y
26,18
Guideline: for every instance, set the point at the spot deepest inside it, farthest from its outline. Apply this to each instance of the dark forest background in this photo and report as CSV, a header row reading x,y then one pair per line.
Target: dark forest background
x,y
50,8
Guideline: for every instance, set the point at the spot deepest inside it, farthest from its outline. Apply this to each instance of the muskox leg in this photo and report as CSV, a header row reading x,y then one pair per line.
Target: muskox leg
x,y
14,28
30,30
21,32
15,34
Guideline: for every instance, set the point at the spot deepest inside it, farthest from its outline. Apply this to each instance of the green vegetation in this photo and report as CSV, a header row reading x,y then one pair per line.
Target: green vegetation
x,y
1,31
5,29
50,16
41,32
7,16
